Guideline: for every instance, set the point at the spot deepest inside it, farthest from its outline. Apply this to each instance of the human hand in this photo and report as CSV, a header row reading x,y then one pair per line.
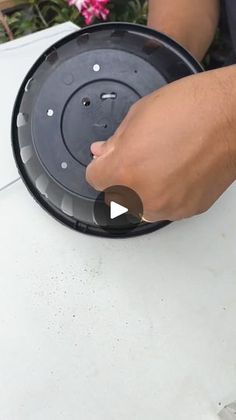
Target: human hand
x,y
176,147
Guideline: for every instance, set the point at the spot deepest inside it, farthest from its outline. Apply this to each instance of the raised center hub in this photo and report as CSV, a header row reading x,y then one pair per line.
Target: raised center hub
x,y
93,113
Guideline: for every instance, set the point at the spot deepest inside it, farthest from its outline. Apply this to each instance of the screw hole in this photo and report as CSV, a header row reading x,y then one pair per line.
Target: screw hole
x,y
136,71
64,165
86,102
50,112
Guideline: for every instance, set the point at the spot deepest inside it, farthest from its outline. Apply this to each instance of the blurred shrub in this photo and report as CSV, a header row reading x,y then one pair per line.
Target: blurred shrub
x,y
34,15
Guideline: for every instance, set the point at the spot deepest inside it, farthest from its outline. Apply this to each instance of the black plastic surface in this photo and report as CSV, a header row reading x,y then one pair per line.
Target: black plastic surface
x,y
77,92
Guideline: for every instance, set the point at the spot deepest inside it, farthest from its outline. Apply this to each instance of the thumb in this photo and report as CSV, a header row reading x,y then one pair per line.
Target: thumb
x,y
98,148
100,172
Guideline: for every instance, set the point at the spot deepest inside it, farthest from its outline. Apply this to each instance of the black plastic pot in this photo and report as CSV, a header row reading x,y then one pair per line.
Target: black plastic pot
x,y
79,91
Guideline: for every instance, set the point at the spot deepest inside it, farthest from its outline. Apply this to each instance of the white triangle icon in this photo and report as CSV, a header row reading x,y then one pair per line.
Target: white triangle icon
x,y
117,210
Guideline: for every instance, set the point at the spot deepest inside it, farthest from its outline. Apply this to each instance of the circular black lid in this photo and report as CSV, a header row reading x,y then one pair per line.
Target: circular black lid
x,y
77,92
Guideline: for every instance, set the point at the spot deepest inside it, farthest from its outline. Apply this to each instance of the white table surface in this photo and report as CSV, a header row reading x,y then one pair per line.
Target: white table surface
x,y
99,329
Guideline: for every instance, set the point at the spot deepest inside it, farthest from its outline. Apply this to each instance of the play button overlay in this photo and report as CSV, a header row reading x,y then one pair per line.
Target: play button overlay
x,y
118,209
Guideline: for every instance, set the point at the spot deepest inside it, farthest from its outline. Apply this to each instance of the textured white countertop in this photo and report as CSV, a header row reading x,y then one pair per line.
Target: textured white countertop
x,y
99,329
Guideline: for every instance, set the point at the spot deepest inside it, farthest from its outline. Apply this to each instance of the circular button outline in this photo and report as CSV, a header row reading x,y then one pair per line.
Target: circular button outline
x,y
122,196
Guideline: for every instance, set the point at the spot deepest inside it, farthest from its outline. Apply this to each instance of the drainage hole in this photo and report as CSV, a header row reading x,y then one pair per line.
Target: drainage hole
x,y
50,112
86,102
96,67
64,165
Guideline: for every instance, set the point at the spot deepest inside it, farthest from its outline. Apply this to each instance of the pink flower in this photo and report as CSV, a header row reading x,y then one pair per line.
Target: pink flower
x,y
91,9
76,3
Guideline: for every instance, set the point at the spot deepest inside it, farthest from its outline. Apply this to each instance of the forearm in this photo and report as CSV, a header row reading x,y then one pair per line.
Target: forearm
x,y
192,23
226,88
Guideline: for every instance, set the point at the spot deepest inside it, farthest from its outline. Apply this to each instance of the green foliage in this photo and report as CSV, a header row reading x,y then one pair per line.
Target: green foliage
x,y
134,11
35,15
3,36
